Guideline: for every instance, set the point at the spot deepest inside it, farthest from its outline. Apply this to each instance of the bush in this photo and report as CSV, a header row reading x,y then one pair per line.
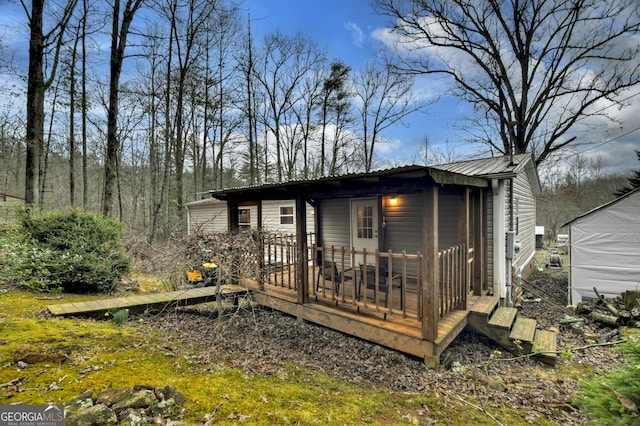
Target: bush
x,y
614,399
76,251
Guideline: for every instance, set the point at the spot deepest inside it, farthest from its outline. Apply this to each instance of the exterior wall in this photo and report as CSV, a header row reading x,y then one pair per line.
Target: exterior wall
x,y
208,218
403,230
271,220
334,215
604,250
448,213
524,220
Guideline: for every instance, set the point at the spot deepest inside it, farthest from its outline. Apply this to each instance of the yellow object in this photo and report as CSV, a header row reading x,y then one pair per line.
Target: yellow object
x,y
209,265
194,276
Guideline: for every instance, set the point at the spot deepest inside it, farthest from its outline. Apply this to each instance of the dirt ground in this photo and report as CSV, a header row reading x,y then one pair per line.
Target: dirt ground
x,y
474,370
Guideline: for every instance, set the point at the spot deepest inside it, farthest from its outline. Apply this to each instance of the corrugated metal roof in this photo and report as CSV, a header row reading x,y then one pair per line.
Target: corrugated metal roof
x,y
203,202
487,167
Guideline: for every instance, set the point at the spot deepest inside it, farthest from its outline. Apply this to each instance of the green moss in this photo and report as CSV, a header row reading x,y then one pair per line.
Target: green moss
x,y
97,354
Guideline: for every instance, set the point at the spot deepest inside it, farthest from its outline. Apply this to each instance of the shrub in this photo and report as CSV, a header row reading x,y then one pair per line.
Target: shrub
x,y
77,251
614,399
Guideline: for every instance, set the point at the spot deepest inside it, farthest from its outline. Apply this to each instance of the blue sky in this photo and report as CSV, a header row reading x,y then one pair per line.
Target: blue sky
x,y
346,29
350,30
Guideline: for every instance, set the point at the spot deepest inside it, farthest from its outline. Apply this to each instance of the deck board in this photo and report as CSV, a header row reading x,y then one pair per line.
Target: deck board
x,y
142,302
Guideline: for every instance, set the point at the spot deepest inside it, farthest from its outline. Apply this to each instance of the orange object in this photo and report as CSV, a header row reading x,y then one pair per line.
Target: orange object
x,y
194,276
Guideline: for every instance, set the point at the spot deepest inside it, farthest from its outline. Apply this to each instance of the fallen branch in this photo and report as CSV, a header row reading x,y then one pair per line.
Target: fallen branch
x,y
608,305
626,402
581,348
477,407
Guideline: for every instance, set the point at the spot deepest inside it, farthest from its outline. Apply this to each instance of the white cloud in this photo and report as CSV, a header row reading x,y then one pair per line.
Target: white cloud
x,y
357,35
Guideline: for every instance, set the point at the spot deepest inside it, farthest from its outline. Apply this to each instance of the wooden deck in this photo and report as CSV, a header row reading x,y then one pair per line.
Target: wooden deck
x,y
142,302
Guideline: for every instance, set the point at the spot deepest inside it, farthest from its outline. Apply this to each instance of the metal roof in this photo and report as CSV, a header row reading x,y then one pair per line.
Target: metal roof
x,y
488,167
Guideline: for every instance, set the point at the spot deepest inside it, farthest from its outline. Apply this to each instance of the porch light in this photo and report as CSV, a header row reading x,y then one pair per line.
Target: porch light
x,y
393,201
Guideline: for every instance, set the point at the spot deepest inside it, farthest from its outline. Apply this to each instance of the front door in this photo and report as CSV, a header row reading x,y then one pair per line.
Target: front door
x,y
364,227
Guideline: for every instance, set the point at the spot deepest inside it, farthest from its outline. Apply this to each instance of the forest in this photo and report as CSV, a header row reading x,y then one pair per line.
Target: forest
x,y
136,107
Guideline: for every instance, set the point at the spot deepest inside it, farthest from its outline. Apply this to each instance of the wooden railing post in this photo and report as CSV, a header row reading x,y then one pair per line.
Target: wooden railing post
x,y
302,277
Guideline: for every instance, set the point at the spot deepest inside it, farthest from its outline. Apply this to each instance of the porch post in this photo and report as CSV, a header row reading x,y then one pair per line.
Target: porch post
x,y
463,238
261,236
478,244
302,264
431,281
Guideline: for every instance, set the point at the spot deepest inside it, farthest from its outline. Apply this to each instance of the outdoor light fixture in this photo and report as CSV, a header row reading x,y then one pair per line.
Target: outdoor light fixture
x,y
393,201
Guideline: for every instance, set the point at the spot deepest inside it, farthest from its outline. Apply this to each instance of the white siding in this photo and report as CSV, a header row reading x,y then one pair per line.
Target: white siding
x,y
271,217
208,218
524,219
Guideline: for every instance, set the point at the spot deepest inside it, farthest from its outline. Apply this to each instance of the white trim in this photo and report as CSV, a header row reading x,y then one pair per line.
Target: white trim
x,y
499,242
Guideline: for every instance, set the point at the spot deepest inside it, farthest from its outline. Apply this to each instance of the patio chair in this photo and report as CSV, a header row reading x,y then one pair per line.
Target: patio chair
x,y
383,277
328,271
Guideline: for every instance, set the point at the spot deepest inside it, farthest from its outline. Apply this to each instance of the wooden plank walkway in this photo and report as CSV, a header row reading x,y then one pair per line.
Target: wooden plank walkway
x,y
142,302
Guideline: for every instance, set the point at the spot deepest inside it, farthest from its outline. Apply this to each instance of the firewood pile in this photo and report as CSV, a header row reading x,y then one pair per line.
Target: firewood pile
x,y
603,319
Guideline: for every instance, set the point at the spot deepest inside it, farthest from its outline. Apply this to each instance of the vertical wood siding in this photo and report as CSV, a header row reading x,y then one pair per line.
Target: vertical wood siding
x,y
404,228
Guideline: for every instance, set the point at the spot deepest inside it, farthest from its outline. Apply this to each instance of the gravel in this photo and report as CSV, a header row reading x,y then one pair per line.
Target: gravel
x,y
261,341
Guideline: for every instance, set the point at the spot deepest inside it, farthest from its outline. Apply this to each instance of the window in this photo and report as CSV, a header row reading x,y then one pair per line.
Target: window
x,y
286,215
365,222
244,218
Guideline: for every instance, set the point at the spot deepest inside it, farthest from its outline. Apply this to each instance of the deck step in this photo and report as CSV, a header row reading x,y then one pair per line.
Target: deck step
x,y
545,343
503,317
485,305
524,329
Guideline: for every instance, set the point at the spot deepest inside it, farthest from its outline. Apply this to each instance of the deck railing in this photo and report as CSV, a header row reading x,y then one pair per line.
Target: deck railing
x,y
454,279
358,278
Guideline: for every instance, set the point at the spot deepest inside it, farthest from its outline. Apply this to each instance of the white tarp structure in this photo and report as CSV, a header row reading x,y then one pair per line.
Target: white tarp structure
x,y
605,249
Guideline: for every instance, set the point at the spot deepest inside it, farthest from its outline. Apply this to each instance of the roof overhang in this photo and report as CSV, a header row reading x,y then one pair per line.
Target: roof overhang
x,y
409,179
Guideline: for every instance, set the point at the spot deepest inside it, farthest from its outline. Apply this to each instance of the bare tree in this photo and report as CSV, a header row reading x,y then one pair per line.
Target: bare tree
x,y
532,69
41,44
284,64
384,98
119,33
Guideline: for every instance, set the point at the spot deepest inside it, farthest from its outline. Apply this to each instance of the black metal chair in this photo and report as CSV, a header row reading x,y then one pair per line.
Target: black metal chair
x,y
383,278
328,271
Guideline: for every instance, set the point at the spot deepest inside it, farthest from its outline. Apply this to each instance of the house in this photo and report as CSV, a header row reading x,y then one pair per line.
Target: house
x,y
604,249
407,257
211,215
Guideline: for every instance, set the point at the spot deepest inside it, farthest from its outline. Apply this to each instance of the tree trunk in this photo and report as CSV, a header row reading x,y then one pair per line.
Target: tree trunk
x,y
35,105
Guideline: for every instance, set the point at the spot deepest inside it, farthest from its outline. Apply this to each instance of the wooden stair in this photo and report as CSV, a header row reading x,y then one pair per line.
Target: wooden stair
x,y
517,334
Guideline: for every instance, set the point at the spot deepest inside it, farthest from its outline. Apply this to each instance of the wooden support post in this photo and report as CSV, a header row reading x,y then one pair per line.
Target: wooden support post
x,y
463,238
431,281
302,272
478,243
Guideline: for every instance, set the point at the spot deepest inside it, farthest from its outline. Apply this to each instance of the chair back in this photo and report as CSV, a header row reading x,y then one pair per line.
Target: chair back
x,y
371,276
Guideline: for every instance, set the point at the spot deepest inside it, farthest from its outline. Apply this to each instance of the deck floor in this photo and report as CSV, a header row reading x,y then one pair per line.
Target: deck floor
x,y
141,302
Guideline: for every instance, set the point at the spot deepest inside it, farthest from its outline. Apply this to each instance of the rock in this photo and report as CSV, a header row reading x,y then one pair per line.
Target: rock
x,y
113,396
97,415
170,391
166,409
494,382
82,402
131,418
141,399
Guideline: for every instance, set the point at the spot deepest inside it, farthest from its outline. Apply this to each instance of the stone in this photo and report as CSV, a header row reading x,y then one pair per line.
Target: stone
x,y
141,399
166,409
111,396
81,402
131,418
97,415
170,391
